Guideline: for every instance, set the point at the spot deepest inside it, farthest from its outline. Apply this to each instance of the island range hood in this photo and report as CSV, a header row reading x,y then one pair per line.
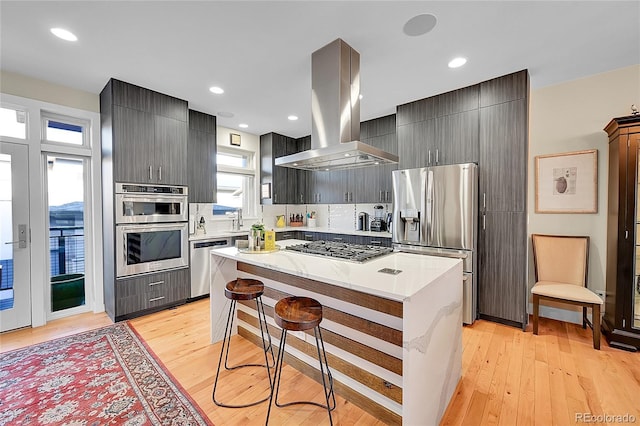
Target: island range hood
x,y
335,113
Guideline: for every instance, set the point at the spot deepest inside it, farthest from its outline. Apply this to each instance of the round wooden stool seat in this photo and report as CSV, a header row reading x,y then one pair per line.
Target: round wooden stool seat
x,y
243,289
298,313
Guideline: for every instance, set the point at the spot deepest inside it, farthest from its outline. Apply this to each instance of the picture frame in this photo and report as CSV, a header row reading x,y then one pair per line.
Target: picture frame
x,y
567,182
234,139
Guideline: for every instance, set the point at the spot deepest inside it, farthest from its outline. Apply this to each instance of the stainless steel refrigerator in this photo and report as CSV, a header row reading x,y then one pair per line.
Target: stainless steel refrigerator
x,y
435,212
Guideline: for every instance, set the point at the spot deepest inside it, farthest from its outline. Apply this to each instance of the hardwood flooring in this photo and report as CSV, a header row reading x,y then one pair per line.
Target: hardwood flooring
x,y
509,377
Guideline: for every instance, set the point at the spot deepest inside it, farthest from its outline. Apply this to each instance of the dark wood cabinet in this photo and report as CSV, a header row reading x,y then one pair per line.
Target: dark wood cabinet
x,y
503,156
621,322
148,134
502,279
502,169
201,157
487,124
144,140
283,180
150,292
439,130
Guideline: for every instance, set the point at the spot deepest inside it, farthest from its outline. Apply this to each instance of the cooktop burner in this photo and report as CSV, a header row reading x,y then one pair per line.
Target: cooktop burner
x,y
346,251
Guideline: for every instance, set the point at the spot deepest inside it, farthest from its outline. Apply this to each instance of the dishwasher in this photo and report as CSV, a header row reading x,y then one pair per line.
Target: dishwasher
x,y
200,270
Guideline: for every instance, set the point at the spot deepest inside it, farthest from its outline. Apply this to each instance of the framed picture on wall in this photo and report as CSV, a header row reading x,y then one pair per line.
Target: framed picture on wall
x,y
567,182
234,139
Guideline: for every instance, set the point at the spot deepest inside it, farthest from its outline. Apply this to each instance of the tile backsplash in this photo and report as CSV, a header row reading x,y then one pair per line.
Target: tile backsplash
x,y
328,216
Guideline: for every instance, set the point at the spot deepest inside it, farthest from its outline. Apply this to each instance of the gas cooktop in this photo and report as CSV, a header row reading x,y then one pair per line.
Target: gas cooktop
x,y
345,251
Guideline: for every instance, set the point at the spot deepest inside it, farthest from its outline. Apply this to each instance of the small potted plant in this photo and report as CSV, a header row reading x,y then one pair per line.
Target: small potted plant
x,y
256,236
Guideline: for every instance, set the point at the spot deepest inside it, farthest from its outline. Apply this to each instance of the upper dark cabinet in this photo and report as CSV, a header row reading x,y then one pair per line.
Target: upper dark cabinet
x,y
201,157
283,180
507,88
145,132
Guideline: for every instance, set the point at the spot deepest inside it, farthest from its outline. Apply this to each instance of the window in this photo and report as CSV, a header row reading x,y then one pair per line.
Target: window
x,y
63,130
13,123
235,182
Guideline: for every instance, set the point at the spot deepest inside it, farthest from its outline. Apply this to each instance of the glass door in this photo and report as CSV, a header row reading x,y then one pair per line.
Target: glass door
x,y
66,206
15,282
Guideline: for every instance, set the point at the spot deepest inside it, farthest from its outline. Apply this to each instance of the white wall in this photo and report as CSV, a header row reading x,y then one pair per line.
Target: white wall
x,y
570,117
32,88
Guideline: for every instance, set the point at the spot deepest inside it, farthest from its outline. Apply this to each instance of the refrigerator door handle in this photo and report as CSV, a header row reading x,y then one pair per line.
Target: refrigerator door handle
x,y
428,213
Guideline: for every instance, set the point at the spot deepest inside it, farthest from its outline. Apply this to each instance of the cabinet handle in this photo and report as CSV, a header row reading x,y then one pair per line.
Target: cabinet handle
x,y
275,198
346,197
380,198
337,239
160,173
350,197
437,156
156,283
150,173
429,162
319,197
388,198
484,201
155,299
308,237
375,243
484,222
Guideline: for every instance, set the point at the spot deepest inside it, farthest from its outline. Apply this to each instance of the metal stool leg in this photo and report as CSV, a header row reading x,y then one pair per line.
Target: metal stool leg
x,y
226,343
277,373
328,388
262,320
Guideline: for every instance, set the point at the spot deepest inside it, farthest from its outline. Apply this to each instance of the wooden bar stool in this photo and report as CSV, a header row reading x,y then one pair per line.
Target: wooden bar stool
x,y
245,289
298,314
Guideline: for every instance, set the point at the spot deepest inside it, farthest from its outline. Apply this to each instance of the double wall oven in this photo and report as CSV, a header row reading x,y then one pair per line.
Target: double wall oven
x,y
152,231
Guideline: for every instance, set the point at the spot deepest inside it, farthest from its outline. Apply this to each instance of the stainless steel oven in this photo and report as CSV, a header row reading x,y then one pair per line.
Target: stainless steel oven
x,y
151,203
144,248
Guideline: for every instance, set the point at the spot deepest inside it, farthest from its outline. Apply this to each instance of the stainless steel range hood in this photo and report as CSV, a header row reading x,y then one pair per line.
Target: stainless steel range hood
x,y
335,113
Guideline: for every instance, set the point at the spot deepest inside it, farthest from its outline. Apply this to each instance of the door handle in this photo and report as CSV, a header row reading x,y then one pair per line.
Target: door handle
x,y
22,237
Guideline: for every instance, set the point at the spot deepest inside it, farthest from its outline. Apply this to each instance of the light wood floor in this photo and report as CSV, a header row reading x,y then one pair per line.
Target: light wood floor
x,y
509,377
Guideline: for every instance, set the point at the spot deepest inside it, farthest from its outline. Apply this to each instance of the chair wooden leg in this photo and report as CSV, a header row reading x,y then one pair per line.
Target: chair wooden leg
x,y
595,312
584,317
536,305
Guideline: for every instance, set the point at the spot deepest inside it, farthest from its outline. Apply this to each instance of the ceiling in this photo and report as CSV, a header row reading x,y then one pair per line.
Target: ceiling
x,y
260,52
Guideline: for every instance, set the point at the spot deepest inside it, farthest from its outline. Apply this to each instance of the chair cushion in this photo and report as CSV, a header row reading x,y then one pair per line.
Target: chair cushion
x,y
565,291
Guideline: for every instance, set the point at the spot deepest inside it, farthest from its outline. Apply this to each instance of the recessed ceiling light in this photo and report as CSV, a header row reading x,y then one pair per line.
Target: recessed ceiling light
x,y
457,62
225,114
293,117
420,24
217,90
64,34
243,126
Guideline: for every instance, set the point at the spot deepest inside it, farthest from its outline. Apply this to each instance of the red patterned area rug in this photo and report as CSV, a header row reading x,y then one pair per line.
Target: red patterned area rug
x,y
104,376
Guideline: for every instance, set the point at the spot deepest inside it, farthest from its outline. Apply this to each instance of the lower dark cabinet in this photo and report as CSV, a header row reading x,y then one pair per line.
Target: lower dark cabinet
x,y
138,294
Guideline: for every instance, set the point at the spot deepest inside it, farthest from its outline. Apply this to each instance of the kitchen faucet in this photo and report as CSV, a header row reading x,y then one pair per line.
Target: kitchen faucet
x,y
237,222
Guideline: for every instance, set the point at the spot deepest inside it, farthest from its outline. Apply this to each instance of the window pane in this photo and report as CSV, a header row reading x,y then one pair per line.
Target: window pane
x,y
57,131
13,123
234,191
235,160
6,234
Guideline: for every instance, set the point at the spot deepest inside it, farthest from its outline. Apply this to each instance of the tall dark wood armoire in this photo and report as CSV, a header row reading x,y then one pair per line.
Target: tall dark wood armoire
x,y
621,322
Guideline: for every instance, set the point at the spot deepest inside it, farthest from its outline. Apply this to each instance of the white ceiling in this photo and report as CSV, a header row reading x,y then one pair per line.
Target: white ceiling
x,y
260,52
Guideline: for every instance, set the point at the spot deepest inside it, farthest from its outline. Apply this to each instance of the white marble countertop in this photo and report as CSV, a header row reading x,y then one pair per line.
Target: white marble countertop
x,y
334,231
418,271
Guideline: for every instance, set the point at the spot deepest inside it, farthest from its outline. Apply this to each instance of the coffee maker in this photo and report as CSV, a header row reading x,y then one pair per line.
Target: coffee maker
x,y
378,224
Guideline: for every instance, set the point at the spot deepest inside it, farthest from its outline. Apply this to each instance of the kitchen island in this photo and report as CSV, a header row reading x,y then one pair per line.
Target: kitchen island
x,y
394,341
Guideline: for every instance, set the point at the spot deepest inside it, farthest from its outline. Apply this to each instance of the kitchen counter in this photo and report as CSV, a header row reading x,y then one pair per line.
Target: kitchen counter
x,y
418,271
394,341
